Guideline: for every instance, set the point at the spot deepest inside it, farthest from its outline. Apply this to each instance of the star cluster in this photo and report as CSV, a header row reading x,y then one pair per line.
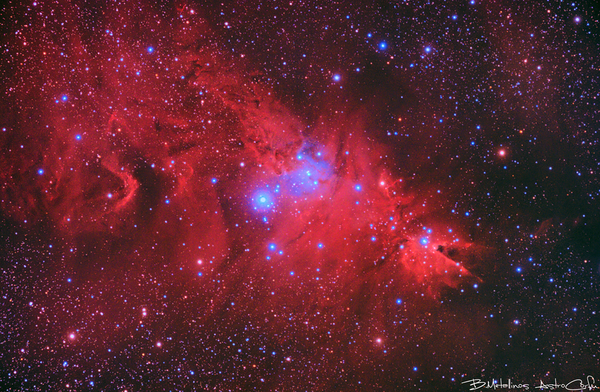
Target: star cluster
x,y
298,195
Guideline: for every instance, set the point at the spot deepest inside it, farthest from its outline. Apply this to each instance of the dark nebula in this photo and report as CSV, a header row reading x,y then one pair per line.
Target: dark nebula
x,y
298,196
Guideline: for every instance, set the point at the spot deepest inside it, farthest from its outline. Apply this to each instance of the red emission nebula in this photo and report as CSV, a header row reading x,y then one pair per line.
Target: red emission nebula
x,y
178,218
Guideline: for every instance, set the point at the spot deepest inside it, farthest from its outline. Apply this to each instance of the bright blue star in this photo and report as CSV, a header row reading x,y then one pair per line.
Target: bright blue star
x,y
262,200
40,171
337,77
64,98
424,241
398,301
77,137
383,45
213,180
150,49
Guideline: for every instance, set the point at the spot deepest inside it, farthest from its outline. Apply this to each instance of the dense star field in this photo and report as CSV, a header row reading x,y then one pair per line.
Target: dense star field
x,y
298,195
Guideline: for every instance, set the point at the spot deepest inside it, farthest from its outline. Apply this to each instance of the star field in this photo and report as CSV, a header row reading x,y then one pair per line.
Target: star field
x,y
298,195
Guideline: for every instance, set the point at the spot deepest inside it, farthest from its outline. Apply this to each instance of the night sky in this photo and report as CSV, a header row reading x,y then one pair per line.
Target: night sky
x,y
298,195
